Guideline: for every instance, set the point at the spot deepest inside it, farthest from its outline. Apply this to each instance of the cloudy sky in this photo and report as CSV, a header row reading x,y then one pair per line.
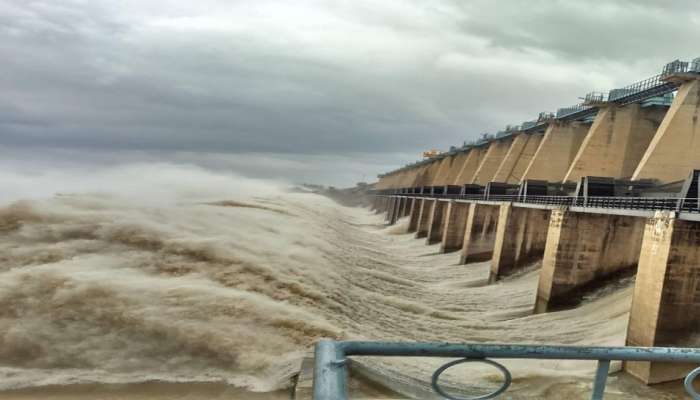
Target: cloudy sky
x,y
323,91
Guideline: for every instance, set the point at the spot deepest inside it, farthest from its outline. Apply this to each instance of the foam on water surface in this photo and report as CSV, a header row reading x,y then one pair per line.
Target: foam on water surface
x,y
207,286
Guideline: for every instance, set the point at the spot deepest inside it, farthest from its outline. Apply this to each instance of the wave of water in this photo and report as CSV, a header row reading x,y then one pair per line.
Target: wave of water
x,y
104,287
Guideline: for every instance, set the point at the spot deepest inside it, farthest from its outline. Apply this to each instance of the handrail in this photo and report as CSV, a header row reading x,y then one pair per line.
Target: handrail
x,y
691,205
330,369
564,112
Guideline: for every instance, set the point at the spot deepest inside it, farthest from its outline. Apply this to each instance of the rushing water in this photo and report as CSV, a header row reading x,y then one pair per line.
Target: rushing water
x,y
211,288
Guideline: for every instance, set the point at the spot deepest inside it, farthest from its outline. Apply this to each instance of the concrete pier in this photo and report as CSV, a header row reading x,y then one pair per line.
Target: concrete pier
x,y
493,158
521,235
455,224
616,141
666,302
410,203
436,222
479,233
675,148
517,159
405,204
557,149
424,216
582,250
402,209
391,206
414,217
396,211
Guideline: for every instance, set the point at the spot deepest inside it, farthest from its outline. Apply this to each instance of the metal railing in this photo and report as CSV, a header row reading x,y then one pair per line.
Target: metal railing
x,y
651,87
578,109
656,85
330,369
596,97
691,205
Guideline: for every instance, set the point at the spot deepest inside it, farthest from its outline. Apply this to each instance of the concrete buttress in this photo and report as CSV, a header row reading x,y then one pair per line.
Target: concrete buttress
x,y
675,149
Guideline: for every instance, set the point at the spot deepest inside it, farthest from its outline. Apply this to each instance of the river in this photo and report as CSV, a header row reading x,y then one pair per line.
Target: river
x,y
220,294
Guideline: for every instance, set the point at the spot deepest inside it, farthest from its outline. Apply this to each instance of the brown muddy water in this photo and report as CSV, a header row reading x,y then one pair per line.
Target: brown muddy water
x,y
102,296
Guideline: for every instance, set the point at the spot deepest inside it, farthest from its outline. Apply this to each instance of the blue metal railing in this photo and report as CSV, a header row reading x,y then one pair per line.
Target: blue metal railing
x,y
330,369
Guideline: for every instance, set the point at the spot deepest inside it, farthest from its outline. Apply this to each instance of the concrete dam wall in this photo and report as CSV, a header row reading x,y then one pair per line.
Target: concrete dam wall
x,y
605,190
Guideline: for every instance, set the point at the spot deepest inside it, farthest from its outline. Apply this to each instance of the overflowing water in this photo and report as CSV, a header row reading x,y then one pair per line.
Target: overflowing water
x,y
211,278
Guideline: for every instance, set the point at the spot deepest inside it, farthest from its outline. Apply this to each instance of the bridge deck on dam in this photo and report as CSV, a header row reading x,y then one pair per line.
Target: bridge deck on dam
x,y
626,206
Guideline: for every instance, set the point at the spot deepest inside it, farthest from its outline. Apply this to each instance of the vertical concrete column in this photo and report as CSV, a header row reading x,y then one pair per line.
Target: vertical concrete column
x,y
393,203
479,233
666,301
675,149
409,206
402,209
455,224
584,251
387,204
557,149
413,219
437,222
424,218
398,209
521,236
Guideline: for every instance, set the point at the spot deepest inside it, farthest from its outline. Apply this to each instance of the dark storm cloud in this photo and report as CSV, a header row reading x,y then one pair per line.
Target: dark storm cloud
x,y
326,78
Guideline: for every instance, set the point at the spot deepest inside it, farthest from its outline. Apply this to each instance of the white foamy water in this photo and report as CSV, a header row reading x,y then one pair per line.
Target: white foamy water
x,y
182,275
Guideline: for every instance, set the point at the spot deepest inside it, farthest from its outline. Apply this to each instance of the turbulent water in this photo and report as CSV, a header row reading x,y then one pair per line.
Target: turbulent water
x,y
199,286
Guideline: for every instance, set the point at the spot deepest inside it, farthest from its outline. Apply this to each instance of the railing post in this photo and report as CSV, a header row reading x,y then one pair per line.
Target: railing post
x,y
330,372
601,377
679,206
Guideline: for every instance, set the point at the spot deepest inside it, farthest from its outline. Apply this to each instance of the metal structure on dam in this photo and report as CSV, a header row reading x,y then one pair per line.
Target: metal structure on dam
x,y
601,190
330,369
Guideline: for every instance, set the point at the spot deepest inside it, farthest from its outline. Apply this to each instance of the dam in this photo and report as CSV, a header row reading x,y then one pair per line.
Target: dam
x,y
599,191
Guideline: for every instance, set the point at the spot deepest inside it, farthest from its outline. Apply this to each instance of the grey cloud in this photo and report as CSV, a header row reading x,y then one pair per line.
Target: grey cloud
x,y
313,80
626,31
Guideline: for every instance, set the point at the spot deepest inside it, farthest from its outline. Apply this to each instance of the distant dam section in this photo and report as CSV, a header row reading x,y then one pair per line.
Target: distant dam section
x,y
596,192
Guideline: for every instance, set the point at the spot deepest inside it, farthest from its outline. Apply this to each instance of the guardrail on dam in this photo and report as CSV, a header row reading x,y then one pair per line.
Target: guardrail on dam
x,y
330,365
600,190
